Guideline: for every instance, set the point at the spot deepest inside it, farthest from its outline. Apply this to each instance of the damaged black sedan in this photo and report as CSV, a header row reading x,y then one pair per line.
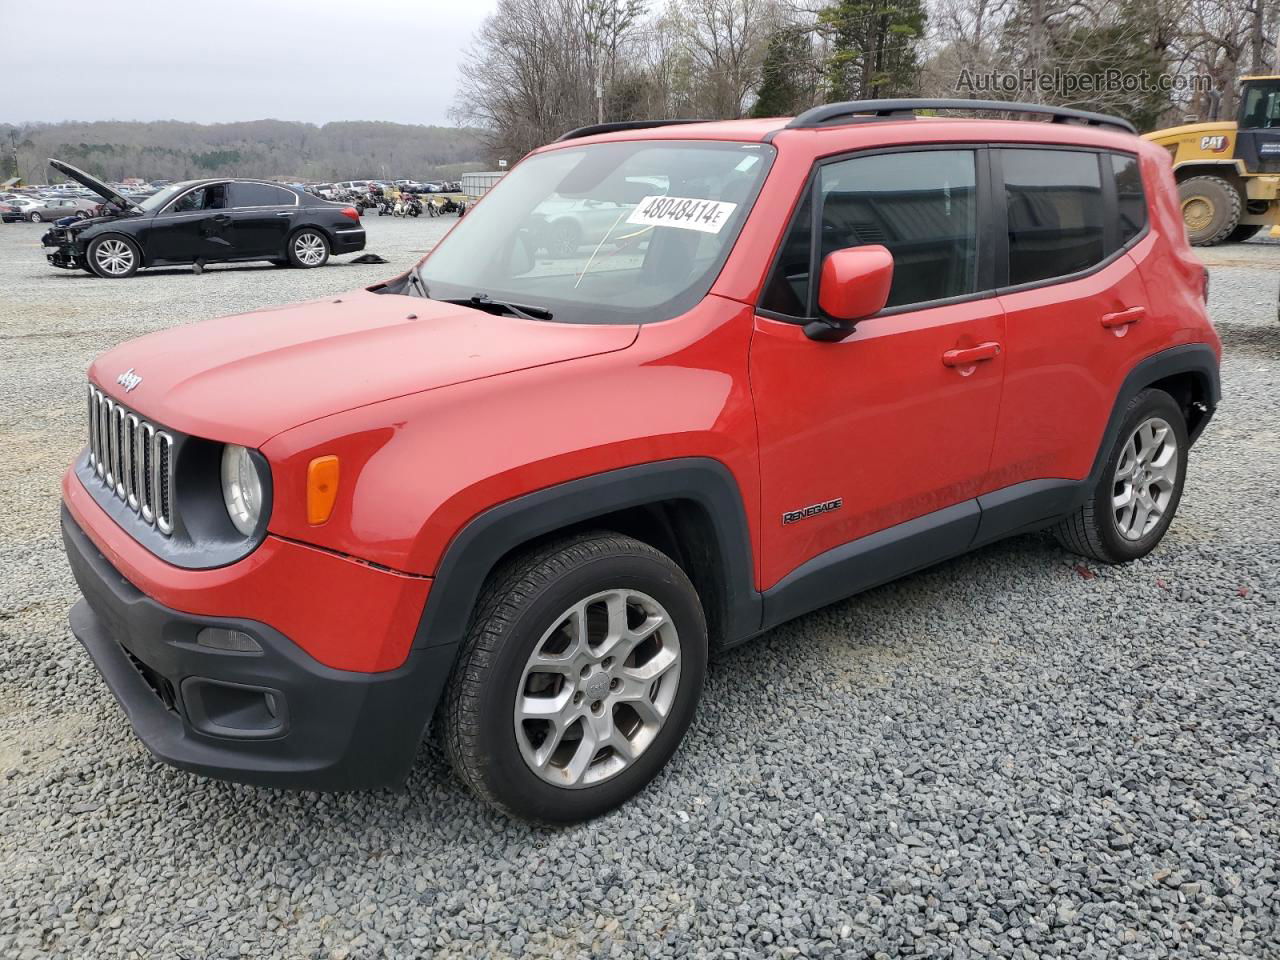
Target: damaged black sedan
x,y
199,222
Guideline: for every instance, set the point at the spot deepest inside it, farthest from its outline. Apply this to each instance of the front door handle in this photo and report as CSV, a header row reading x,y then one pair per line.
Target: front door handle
x,y
1123,318
968,356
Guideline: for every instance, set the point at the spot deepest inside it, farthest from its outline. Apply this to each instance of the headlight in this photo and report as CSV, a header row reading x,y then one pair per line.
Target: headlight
x,y
241,488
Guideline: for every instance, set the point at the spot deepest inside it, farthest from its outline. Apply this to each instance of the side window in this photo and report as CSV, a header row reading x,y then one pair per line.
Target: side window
x,y
921,206
258,195
191,200
788,288
1054,200
1131,202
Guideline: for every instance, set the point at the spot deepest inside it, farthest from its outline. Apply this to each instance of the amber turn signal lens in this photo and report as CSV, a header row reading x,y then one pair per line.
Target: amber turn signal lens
x,y
322,489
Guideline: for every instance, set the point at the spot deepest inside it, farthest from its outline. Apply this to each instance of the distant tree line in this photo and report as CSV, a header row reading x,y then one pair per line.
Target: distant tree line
x,y
260,148
540,67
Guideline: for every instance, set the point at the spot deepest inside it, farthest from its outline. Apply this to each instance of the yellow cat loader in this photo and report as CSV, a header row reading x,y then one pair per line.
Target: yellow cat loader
x,y
1229,173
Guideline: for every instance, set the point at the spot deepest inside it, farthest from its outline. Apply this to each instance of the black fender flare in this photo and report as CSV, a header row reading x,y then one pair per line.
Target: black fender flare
x,y
485,540
1197,359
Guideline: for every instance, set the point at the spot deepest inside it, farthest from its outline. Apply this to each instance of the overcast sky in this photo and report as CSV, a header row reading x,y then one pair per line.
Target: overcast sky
x,y
223,60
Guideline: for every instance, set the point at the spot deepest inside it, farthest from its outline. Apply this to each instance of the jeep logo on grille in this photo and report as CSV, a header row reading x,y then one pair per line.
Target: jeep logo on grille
x,y
128,380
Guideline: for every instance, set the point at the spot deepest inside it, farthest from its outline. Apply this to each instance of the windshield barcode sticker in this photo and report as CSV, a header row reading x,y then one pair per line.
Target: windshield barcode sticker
x,y
687,213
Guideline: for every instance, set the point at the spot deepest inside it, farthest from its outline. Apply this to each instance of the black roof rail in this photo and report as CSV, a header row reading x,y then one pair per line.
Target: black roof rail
x,y
855,110
592,129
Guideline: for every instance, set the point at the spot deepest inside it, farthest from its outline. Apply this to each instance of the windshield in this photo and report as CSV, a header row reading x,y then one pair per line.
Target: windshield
x,y
154,202
624,232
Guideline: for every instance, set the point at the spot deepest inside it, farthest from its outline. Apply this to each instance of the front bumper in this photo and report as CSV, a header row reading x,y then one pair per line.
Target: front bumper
x,y
276,718
61,249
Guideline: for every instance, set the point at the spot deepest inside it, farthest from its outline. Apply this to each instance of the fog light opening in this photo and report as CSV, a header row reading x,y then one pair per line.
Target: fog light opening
x,y
221,638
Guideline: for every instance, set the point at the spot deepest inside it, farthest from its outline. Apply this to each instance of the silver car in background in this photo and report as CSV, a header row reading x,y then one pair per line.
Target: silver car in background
x,y
55,208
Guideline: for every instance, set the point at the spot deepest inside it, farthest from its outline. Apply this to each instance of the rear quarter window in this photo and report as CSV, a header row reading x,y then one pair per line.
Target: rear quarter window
x,y
1131,202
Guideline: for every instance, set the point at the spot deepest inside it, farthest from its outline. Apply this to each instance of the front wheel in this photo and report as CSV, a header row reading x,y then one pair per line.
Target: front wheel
x,y
37,218
1138,493
308,248
1211,209
577,679
113,257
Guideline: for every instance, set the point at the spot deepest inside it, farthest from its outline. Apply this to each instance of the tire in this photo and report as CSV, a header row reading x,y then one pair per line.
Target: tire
x,y
1102,531
1211,209
528,605
563,238
308,248
36,218
113,257
1243,232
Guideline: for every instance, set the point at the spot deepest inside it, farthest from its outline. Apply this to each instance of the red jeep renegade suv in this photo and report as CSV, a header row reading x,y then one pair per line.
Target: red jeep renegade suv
x,y
665,388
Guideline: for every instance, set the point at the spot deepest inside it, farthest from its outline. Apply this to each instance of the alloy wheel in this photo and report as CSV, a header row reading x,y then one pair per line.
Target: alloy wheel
x,y
597,688
309,249
1145,478
114,257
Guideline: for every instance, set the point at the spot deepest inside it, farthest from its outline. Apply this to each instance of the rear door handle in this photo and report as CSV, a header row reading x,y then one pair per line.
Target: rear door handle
x,y
284,213
968,356
1123,318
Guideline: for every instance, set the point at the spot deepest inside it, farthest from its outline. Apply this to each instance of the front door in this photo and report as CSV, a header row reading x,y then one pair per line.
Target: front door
x,y
896,421
196,226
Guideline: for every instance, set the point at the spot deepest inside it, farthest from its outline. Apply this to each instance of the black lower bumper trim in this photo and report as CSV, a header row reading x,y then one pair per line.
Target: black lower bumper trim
x,y
305,726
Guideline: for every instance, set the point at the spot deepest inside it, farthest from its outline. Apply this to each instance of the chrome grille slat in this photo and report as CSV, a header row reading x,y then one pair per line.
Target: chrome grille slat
x,y
118,446
131,475
147,506
133,459
162,479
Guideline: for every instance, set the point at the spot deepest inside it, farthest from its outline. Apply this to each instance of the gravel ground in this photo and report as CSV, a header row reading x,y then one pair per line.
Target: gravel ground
x,y
1010,755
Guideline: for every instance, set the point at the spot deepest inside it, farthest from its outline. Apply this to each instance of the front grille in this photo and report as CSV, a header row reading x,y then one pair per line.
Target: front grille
x,y
133,459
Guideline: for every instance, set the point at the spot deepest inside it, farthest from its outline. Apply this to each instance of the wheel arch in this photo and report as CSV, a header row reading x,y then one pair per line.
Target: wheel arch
x,y
93,233
1188,373
1230,170
690,508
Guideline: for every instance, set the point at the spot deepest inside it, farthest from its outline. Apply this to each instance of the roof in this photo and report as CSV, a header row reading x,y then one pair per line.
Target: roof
x,y
885,131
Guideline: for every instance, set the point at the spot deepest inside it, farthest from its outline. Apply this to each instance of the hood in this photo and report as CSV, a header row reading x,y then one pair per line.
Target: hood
x,y
243,379
93,183
1192,129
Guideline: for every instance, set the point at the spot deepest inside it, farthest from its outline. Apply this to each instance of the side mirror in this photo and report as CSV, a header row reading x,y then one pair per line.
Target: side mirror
x,y
854,285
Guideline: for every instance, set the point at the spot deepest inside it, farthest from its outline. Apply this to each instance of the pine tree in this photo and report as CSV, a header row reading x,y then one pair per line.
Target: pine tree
x,y
787,62
874,47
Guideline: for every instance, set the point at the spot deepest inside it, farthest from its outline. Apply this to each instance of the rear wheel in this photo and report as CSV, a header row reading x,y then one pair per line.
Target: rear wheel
x,y
37,218
308,248
1140,488
577,679
1211,209
113,257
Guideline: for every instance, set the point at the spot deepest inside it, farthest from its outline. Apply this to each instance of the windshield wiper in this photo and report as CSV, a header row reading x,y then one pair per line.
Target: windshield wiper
x,y
482,301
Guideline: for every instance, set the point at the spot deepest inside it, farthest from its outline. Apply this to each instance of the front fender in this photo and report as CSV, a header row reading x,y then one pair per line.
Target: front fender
x,y
416,470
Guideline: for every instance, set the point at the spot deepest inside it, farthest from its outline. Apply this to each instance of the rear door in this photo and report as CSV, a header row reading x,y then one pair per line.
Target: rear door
x,y
262,215
888,424
1074,302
